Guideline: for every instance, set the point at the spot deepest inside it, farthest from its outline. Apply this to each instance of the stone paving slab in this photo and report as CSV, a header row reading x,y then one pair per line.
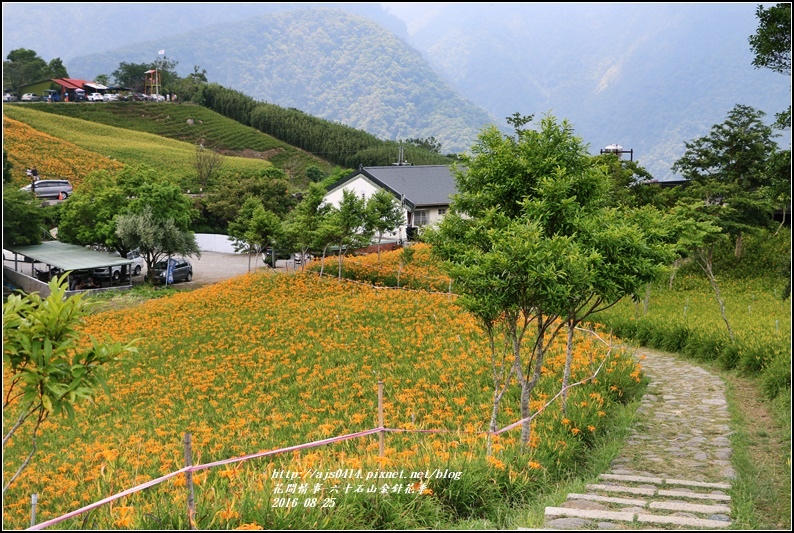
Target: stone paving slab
x,y
683,521
690,507
607,499
676,458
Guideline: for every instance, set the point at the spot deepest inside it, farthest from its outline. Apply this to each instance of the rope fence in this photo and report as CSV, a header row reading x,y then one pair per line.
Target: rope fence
x,y
380,431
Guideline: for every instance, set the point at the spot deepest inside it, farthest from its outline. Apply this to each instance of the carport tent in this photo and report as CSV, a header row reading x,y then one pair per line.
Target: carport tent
x,y
68,256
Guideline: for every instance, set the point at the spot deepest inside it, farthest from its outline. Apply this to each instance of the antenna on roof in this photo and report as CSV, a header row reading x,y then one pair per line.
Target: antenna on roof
x,y
400,157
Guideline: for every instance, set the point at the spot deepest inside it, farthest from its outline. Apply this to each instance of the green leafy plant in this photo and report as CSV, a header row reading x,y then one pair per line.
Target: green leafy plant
x,y
51,367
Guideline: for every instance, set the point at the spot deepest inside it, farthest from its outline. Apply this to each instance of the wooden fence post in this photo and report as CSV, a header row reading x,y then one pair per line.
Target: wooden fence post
x,y
191,504
380,419
34,499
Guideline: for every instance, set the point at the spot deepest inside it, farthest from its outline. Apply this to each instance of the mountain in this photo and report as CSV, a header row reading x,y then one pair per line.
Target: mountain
x,y
325,62
647,76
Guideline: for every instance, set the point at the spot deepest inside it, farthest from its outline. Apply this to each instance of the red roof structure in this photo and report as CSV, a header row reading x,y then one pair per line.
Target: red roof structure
x,y
70,83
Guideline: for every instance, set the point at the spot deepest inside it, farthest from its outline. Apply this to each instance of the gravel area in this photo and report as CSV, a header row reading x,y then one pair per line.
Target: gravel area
x,y
213,267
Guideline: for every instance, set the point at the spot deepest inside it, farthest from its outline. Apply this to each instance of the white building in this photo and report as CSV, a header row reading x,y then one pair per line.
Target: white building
x,y
424,191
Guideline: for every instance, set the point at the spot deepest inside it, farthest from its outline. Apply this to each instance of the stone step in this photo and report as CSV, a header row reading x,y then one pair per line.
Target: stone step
x,y
591,514
690,507
642,491
621,488
694,495
662,481
683,521
644,518
607,499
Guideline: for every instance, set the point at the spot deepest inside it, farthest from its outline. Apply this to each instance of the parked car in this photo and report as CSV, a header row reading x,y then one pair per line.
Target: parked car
x,y
115,272
302,258
182,271
51,189
51,95
95,97
8,97
30,97
110,97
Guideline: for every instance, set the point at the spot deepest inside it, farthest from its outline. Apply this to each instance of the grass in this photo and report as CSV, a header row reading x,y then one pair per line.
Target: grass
x,y
761,456
191,124
127,146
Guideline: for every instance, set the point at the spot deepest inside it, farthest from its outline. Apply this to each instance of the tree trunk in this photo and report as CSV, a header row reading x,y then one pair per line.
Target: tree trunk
x,y
737,251
566,375
706,263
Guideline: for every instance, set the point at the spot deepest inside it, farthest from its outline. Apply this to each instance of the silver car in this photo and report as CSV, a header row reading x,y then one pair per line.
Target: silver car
x,y
51,189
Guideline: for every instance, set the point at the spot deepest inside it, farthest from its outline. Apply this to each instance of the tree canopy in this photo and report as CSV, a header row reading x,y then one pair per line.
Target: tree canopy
x,y
771,45
530,238
24,66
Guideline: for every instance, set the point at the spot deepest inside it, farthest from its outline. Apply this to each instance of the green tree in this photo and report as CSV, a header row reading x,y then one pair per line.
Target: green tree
x,y
384,213
91,214
133,75
698,229
57,69
189,87
729,167
771,45
48,369
304,226
350,223
530,239
207,163
155,236
7,166
24,66
269,186
23,217
254,229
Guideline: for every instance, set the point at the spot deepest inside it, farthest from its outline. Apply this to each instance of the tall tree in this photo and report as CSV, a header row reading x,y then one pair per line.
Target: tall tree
x,y
302,228
351,224
254,229
207,163
528,238
729,166
771,45
23,217
24,66
155,236
91,214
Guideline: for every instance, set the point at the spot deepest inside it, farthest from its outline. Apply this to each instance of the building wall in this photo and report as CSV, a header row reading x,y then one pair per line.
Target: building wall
x,y
208,242
364,187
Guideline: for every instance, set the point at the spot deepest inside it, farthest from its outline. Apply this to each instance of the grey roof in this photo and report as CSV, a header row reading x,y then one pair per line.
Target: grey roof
x,y
418,185
421,184
68,256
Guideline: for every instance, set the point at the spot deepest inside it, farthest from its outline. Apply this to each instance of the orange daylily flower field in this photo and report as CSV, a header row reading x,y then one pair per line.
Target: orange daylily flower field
x,y
265,361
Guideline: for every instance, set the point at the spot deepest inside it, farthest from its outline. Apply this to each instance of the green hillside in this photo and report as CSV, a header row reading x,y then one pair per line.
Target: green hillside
x,y
325,62
192,124
175,158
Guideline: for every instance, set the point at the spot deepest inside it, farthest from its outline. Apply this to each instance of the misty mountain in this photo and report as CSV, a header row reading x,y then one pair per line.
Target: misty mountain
x,y
325,62
646,76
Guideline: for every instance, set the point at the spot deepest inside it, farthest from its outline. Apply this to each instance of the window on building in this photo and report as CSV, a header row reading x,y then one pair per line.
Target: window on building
x,y
442,212
421,217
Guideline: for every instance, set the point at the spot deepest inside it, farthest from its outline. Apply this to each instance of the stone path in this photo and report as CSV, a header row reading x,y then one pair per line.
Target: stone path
x,y
674,470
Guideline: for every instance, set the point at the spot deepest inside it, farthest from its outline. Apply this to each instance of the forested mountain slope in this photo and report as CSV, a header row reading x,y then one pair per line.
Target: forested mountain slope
x,y
325,62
